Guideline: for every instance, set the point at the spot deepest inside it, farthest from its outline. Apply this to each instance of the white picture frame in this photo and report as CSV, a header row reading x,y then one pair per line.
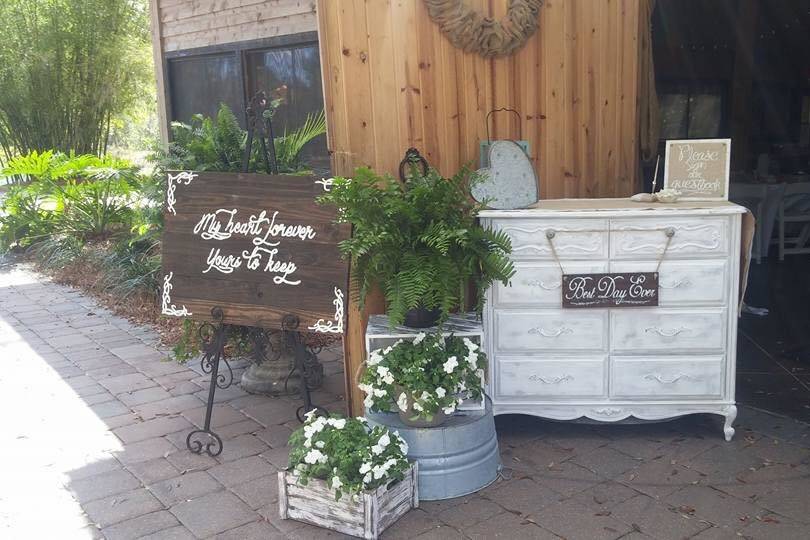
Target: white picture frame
x,y
698,168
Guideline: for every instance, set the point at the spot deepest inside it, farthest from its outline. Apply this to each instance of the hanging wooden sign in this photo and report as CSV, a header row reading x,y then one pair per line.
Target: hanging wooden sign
x,y
629,289
257,246
698,169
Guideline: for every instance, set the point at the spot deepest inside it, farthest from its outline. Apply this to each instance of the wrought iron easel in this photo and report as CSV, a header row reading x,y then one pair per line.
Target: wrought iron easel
x,y
259,125
214,335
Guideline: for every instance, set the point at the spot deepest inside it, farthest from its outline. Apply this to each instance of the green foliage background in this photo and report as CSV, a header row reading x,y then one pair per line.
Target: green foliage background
x,y
72,72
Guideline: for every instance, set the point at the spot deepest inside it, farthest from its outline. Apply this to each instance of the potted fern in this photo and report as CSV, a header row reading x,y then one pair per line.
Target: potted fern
x,y
420,242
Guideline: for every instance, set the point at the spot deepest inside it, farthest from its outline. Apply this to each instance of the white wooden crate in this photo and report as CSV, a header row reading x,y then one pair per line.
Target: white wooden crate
x,y
365,517
380,335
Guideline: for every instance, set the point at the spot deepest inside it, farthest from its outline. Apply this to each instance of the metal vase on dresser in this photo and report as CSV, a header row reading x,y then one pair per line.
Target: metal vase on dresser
x,y
610,364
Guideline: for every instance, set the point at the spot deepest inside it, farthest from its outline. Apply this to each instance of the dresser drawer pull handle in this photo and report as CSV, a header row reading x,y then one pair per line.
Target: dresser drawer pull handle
x,y
551,333
551,380
542,284
666,333
675,284
663,380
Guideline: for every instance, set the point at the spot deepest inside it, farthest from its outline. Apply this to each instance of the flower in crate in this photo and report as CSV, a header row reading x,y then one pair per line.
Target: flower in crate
x,y
348,454
426,375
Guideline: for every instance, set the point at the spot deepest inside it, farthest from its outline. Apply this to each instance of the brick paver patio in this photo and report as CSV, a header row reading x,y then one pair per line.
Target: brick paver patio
x,y
92,445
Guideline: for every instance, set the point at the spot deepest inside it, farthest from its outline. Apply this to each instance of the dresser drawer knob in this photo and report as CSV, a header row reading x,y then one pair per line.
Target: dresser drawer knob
x,y
551,380
551,333
663,380
664,332
675,284
543,285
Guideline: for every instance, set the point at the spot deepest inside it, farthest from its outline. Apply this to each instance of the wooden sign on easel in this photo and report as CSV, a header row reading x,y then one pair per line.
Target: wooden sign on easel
x,y
698,168
257,246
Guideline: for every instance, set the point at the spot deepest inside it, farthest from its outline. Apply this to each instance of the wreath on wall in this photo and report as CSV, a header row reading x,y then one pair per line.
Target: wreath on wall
x,y
469,30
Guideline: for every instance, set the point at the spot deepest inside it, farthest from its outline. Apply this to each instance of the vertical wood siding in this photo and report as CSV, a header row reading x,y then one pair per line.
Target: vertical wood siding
x,y
187,24
392,81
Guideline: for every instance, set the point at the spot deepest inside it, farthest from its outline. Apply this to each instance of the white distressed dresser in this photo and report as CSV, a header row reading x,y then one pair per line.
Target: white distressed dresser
x,y
610,364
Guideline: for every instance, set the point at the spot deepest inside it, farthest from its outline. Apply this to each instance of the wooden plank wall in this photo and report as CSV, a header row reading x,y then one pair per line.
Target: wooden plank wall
x,y
187,24
392,81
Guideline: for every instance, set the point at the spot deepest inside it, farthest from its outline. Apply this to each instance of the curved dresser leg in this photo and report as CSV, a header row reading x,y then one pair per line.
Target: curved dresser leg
x,y
731,415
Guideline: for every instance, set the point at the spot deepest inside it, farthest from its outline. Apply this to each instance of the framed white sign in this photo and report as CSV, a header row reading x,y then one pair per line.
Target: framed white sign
x,y
698,168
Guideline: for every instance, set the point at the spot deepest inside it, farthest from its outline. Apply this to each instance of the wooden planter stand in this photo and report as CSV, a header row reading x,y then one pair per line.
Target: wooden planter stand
x,y
366,517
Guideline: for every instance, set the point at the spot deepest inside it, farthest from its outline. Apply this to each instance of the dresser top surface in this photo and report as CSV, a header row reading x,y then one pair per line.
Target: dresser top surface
x,y
617,208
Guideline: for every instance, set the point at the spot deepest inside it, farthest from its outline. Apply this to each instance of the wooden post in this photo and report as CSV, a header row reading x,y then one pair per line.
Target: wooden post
x,y
157,55
747,16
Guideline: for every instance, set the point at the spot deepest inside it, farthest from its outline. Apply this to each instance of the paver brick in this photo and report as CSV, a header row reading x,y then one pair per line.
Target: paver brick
x,y
103,485
714,506
259,492
258,530
151,428
145,450
127,383
508,527
174,533
213,513
164,407
237,472
146,395
140,526
656,519
185,487
154,470
123,506
469,513
575,521
524,496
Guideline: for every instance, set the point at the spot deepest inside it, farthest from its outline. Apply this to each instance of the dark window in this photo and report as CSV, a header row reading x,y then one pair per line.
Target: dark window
x,y
691,111
287,67
294,75
200,83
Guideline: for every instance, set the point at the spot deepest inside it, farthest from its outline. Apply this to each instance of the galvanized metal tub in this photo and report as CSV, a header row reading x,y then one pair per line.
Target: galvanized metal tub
x,y
455,459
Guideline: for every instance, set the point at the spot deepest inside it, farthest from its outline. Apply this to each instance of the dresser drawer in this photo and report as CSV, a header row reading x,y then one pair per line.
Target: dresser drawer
x,y
669,330
699,282
551,330
699,377
573,238
539,283
551,377
646,237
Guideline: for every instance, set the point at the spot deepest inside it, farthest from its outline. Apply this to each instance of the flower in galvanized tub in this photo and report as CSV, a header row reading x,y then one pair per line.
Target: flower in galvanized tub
x,y
350,455
424,379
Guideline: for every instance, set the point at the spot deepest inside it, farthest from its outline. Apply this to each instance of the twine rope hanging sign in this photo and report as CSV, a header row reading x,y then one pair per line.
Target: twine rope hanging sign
x,y
615,289
469,30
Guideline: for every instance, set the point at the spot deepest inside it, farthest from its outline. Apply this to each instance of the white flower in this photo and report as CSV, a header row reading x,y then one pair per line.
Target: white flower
x,y
319,444
366,388
337,423
449,410
387,350
472,359
385,440
461,387
374,358
310,414
388,378
369,401
336,483
418,406
403,446
402,402
367,478
425,395
378,471
470,345
441,392
317,425
315,456
362,419
420,337
480,374
365,467
451,364
307,443
378,392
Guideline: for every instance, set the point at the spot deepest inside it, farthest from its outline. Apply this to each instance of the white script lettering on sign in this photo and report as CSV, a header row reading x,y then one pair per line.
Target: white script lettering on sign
x,y
610,290
223,225
698,169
